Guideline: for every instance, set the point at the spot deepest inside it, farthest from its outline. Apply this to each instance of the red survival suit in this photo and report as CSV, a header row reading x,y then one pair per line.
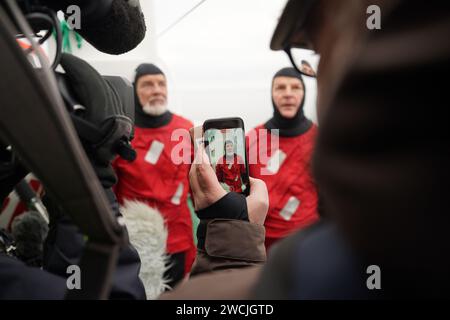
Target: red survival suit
x,y
293,198
155,179
229,172
13,207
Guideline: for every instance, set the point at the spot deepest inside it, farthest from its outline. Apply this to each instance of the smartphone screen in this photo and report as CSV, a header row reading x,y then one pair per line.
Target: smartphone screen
x,y
224,141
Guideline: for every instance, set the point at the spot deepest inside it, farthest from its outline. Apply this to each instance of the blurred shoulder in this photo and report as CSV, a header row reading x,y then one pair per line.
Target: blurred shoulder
x,y
256,129
182,122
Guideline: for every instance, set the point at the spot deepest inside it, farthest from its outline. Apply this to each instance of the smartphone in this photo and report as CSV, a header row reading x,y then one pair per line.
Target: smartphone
x,y
224,141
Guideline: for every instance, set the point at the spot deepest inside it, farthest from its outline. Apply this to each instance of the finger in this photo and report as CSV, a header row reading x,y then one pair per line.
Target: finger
x,y
200,155
257,187
196,136
257,201
206,188
195,187
193,182
206,176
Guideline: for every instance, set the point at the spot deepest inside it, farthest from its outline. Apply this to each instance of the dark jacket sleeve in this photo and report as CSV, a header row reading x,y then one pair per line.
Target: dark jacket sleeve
x,y
226,239
230,244
64,246
19,281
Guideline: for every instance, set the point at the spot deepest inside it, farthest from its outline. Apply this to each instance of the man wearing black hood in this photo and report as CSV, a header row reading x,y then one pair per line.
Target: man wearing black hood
x,y
155,177
285,168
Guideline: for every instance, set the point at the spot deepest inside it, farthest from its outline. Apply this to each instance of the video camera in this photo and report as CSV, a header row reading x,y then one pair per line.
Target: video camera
x,y
121,85
35,123
42,18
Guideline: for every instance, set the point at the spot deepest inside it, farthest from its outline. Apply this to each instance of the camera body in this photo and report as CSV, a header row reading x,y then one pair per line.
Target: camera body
x,y
121,85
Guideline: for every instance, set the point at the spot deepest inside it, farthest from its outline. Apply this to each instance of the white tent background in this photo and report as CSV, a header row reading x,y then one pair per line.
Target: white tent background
x,y
217,58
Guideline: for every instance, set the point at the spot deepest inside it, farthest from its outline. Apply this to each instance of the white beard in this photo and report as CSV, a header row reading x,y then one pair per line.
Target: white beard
x,y
155,110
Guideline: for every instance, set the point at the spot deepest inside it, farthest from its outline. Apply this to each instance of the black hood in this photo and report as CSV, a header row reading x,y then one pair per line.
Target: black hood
x,y
297,125
142,119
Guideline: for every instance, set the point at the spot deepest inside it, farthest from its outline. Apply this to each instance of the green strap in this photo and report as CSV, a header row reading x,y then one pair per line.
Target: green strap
x,y
66,32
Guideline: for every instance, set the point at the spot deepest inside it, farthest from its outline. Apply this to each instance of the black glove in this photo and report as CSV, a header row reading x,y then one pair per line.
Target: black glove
x,y
103,127
232,206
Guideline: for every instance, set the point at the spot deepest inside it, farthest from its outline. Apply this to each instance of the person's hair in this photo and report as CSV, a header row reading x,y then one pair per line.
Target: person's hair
x,y
307,63
225,144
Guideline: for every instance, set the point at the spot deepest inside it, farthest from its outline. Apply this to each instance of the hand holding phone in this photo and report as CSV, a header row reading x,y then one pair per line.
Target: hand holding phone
x,y
203,174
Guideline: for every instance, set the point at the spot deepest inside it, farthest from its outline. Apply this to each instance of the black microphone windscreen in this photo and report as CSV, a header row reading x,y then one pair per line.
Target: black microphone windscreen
x,y
118,32
29,231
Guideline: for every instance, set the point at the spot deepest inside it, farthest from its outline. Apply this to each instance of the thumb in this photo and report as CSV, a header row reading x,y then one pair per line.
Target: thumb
x,y
200,155
257,201
206,176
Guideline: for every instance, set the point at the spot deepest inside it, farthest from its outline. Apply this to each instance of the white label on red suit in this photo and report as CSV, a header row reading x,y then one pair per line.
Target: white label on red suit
x,y
275,161
289,209
176,199
154,152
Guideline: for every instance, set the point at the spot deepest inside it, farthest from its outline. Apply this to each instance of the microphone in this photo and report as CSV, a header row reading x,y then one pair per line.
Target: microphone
x,y
112,26
148,235
31,200
29,231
